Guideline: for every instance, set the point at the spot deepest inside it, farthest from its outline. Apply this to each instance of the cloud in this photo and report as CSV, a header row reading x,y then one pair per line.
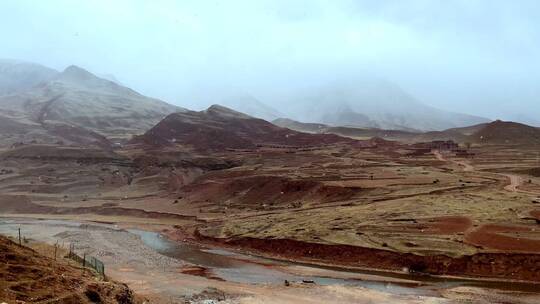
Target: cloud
x,y
474,56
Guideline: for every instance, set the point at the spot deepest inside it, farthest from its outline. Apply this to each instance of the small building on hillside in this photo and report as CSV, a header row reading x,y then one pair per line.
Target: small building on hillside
x,y
464,153
444,145
441,145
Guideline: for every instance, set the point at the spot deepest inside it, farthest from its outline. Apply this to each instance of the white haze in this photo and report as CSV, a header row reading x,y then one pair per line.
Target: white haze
x,y
471,56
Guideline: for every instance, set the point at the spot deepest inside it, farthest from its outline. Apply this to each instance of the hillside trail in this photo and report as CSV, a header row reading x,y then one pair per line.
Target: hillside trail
x,y
466,166
514,180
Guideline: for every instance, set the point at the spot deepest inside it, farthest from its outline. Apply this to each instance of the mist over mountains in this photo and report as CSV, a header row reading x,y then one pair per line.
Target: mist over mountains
x,y
18,75
72,106
357,102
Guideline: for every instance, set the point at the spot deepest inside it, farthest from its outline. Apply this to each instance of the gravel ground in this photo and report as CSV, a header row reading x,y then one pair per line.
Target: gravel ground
x,y
111,245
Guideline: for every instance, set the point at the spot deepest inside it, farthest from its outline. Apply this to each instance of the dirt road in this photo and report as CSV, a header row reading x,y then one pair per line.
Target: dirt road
x,y
466,166
514,180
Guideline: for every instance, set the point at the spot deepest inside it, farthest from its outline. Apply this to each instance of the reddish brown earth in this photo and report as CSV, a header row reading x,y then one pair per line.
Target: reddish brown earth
x,y
22,205
504,238
535,214
62,153
299,194
507,132
78,135
268,190
201,272
28,277
219,128
448,225
511,266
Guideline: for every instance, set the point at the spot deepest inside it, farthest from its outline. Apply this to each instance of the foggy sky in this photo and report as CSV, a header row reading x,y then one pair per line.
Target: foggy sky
x,y
477,57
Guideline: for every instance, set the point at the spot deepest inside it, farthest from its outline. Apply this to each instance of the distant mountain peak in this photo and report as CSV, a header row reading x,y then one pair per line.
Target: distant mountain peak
x,y
251,106
220,110
77,77
75,73
16,76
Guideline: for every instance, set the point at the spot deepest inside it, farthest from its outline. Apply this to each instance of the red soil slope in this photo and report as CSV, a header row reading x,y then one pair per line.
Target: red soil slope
x,y
27,277
505,132
219,128
509,266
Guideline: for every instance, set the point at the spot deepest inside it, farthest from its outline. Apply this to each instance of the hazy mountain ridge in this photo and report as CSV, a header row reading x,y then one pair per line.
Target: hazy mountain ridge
x,y
80,99
76,107
497,132
16,75
251,106
374,103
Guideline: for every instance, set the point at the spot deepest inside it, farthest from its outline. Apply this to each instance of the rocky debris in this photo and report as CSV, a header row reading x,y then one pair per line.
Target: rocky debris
x,y
210,296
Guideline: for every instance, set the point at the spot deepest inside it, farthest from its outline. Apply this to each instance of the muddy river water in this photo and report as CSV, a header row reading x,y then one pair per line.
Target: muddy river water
x,y
241,268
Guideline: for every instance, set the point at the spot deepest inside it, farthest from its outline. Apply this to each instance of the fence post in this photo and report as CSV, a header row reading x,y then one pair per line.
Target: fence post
x,y
20,243
84,260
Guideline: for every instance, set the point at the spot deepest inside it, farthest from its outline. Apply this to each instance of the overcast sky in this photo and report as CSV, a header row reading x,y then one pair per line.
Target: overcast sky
x,y
477,57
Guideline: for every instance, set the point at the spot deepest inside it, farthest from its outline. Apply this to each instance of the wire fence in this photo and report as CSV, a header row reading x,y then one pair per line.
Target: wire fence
x,y
87,261
84,260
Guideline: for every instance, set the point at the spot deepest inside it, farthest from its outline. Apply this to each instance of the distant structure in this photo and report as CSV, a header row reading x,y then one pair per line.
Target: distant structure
x,y
444,146
440,145
463,153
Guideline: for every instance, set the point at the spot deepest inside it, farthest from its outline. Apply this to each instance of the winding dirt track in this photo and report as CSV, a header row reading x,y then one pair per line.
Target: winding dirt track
x,y
514,180
466,166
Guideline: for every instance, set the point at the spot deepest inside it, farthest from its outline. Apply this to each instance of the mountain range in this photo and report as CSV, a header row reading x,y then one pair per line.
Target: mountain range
x,y
365,102
493,133
47,105
39,104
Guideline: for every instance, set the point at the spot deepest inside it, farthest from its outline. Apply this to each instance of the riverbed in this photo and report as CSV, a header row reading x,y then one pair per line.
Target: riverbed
x,y
153,265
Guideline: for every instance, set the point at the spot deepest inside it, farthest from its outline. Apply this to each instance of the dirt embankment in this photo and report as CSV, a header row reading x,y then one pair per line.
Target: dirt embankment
x,y
256,191
20,204
510,266
27,277
504,238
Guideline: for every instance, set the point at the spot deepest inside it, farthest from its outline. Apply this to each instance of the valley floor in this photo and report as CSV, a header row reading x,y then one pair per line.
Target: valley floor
x,y
410,217
162,279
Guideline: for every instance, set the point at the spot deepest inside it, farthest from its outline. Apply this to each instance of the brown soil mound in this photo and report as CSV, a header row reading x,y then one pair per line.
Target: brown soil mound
x,y
513,266
504,238
448,224
22,205
79,135
505,132
532,171
166,159
200,271
535,214
27,277
53,152
270,190
219,128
